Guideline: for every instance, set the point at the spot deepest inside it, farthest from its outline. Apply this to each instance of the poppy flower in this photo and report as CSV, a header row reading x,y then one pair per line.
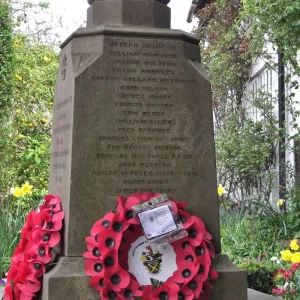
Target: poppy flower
x,y
181,244
196,232
206,291
186,271
30,285
118,279
108,293
187,254
121,201
147,292
202,272
36,269
94,254
18,255
23,294
110,261
108,239
8,293
132,290
102,224
29,225
165,292
192,288
93,268
117,224
204,261
185,218
181,204
92,242
48,220
39,253
12,274
51,238
112,220
211,249
182,296
51,202
213,275
97,283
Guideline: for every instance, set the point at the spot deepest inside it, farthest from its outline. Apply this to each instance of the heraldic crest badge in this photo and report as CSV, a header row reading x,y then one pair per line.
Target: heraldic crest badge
x,y
152,260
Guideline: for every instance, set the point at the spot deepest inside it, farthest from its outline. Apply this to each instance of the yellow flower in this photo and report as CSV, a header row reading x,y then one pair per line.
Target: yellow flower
x,y
43,120
46,59
20,136
221,190
16,43
18,111
19,77
286,255
26,187
294,245
280,202
19,193
296,257
32,124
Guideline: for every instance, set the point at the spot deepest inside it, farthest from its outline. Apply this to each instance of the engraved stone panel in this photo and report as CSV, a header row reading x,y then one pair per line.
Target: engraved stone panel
x,y
140,120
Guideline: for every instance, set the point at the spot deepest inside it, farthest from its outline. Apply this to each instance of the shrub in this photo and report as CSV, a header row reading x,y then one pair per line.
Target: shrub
x,y
260,275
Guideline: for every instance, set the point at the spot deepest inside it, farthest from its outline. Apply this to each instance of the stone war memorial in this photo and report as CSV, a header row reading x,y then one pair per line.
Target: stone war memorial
x,y
132,112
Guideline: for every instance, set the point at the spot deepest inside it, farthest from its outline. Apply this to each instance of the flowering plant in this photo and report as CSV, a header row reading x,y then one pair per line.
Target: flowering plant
x,y
287,278
108,251
39,234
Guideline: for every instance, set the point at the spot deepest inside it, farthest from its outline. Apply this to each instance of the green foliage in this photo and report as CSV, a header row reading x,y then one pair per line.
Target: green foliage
x,y
6,57
27,78
245,150
245,235
27,142
11,223
277,21
260,275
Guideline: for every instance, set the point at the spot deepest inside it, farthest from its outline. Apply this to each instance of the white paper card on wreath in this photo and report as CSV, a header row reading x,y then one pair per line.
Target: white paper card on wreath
x,y
157,221
146,262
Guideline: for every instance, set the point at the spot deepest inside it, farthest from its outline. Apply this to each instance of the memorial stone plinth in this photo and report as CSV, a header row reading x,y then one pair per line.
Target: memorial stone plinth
x,y
132,112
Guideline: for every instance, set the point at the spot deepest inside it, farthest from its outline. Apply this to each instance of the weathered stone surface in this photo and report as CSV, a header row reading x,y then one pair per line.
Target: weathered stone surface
x,y
131,114
145,13
232,282
68,281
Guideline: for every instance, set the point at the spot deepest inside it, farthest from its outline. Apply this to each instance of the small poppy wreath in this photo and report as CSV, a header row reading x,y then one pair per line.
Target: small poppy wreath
x,y
39,234
111,239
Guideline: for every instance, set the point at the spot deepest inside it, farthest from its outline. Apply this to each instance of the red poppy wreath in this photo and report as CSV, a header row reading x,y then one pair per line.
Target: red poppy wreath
x,y
39,234
123,265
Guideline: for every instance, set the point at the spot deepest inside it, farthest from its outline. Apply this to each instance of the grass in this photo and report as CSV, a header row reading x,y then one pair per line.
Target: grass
x,y
11,224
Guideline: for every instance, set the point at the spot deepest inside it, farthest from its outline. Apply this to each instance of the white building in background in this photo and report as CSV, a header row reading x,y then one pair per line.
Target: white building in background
x,y
266,78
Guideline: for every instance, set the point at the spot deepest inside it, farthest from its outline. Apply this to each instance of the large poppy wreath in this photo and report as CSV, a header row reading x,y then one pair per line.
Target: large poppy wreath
x,y
39,234
116,238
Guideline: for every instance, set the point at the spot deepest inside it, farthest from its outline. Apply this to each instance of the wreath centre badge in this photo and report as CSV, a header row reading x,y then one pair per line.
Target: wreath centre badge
x,y
152,260
147,262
